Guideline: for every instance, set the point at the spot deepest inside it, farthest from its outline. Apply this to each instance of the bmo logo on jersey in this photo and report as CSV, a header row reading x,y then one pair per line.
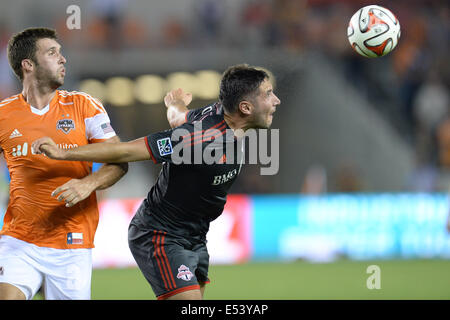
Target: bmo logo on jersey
x,y
224,177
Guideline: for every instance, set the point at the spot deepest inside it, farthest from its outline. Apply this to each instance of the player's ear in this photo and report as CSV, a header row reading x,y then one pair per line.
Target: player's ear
x,y
245,107
27,65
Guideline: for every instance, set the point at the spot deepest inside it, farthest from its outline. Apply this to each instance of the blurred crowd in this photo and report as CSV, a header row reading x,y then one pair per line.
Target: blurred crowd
x,y
410,86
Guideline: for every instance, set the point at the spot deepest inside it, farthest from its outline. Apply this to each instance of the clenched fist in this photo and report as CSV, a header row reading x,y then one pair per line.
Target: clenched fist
x,y
48,147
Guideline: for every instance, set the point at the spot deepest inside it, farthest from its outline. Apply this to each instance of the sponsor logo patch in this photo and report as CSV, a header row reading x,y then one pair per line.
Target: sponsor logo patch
x,y
184,273
165,146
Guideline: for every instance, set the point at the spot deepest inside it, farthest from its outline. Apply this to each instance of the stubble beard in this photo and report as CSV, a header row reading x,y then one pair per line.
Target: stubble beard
x,y
46,79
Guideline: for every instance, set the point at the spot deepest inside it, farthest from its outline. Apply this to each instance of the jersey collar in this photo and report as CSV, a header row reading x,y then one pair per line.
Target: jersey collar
x,y
44,110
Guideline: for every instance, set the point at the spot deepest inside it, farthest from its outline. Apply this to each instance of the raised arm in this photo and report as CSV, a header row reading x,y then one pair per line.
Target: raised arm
x,y
118,152
176,102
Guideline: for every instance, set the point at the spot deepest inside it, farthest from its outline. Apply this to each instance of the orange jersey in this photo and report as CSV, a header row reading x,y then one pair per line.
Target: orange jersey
x,y
71,119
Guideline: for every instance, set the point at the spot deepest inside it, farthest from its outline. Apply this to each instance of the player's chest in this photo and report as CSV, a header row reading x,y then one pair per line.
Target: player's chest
x,y
65,128
223,174
225,164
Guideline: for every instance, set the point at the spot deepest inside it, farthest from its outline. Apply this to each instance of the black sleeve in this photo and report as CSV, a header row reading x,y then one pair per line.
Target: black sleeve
x,y
161,145
200,113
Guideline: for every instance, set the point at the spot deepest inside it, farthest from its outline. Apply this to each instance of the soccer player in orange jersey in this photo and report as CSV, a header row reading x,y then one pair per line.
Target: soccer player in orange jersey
x,y
52,215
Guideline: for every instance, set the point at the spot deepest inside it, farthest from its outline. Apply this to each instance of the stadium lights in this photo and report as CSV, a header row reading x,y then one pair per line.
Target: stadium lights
x,y
151,89
208,84
94,87
183,80
119,91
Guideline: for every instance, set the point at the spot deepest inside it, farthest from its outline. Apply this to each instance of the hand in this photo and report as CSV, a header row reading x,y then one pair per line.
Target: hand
x,y
177,97
48,147
73,191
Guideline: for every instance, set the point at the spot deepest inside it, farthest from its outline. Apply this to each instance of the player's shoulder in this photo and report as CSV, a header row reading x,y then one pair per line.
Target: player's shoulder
x,y
209,114
82,99
64,94
212,116
10,102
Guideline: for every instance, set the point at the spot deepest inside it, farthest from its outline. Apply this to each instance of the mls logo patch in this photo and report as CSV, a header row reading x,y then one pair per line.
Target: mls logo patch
x,y
184,273
65,125
165,146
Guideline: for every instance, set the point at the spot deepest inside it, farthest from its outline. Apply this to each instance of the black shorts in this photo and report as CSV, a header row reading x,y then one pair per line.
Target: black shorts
x,y
171,264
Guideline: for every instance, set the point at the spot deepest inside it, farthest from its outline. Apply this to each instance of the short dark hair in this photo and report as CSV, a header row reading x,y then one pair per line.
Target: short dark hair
x,y
239,82
23,46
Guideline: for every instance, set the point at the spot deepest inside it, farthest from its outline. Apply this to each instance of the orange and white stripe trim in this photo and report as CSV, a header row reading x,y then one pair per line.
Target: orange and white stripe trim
x,y
8,100
95,102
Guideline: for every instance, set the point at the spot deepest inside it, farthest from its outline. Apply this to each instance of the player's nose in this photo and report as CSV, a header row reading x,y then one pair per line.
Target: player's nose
x,y
277,101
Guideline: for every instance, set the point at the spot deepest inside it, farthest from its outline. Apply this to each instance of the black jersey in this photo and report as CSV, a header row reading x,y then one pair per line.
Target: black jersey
x,y
189,194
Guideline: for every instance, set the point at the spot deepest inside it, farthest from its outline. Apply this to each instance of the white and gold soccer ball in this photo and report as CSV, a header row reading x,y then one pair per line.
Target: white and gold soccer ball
x,y
373,31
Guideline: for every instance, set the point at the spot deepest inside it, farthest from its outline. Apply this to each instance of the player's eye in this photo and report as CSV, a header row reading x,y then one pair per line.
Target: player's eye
x,y
54,51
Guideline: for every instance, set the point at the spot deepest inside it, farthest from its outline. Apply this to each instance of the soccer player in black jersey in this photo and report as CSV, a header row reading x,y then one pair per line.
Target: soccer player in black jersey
x,y
167,235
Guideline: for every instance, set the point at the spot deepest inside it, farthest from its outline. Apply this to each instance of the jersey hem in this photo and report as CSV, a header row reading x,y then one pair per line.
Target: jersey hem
x,y
46,244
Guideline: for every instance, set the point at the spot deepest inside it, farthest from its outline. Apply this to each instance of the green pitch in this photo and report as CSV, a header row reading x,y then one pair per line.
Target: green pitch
x,y
400,279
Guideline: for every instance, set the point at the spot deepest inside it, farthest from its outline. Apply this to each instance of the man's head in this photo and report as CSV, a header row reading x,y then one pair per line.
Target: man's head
x,y
35,52
247,91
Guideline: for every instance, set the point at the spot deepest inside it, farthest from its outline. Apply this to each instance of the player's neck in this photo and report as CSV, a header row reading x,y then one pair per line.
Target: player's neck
x,y
37,96
235,122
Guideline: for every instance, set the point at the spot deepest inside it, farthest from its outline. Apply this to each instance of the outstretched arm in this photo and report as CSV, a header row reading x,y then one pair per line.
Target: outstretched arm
x,y
118,152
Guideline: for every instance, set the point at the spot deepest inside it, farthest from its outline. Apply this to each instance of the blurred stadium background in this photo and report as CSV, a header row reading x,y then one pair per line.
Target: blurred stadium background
x,y
364,143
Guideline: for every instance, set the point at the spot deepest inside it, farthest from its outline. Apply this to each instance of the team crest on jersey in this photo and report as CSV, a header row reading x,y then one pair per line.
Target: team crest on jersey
x,y
184,273
65,125
164,146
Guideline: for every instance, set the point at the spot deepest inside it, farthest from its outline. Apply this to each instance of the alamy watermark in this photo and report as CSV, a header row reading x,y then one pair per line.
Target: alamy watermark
x,y
374,280
73,21
214,146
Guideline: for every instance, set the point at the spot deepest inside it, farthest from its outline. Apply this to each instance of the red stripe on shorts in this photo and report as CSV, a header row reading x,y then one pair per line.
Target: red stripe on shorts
x,y
155,244
167,260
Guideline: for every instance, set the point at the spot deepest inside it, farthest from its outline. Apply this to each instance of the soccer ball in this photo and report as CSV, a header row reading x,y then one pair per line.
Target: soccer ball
x,y
373,31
